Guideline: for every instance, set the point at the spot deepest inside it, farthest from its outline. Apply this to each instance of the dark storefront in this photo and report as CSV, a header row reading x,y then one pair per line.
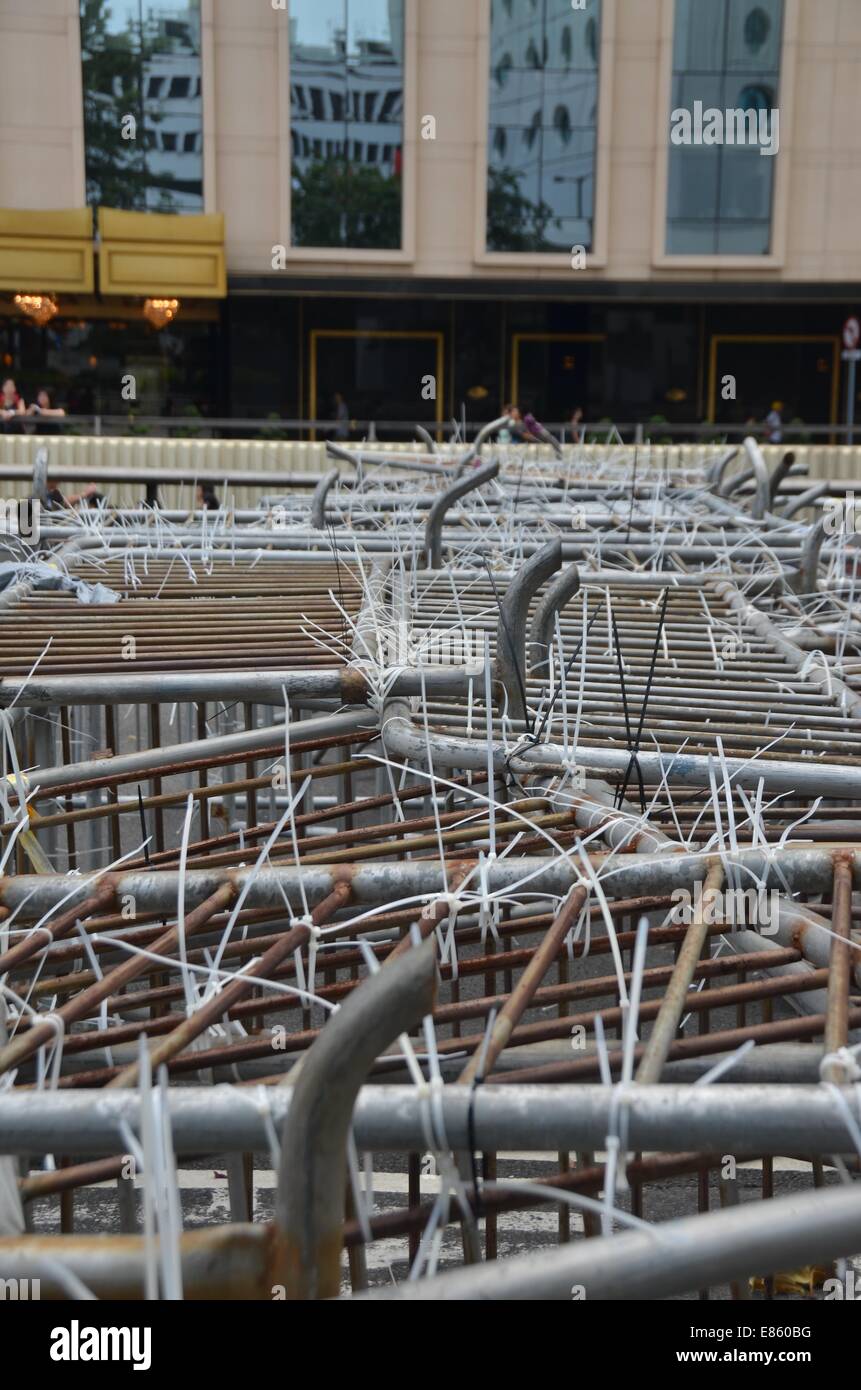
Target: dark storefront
x,y
439,352
96,360
627,355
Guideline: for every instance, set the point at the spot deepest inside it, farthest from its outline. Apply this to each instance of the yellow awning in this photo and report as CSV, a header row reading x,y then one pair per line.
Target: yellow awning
x,y
46,251
171,255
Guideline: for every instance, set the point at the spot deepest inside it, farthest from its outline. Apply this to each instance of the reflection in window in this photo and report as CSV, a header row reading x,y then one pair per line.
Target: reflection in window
x,y
346,104
543,121
727,56
143,118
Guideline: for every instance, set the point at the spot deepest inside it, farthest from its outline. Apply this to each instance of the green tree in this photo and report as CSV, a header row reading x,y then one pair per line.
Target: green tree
x,y
339,204
114,65
514,222
116,167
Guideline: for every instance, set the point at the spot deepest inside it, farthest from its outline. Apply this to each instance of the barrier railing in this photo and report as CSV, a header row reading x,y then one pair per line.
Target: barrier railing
x,y
244,470
231,427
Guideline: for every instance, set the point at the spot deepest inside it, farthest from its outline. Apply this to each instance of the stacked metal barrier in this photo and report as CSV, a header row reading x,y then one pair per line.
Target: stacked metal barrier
x,y
434,856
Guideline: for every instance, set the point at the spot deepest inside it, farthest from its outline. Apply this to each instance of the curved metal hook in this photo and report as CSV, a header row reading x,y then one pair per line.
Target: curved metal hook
x,y
757,470
427,438
804,499
810,551
510,667
337,451
715,471
318,500
561,591
504,422
780,474
437,513
309,1208
367,459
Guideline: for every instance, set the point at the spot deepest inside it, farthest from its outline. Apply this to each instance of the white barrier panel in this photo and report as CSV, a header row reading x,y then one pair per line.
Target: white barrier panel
x,y
193,460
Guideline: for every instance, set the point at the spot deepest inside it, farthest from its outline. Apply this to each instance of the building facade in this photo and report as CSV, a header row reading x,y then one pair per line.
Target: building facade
x,y
645,209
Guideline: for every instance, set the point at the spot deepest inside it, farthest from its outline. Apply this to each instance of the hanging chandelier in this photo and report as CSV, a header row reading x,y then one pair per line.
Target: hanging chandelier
x,y
41,308
160,312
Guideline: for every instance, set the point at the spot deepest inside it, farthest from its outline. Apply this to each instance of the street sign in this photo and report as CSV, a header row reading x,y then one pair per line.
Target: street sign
x,y
851,334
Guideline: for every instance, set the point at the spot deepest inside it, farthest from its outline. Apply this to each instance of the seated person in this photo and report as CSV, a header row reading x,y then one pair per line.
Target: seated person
x,y
57,500
206,498
11,408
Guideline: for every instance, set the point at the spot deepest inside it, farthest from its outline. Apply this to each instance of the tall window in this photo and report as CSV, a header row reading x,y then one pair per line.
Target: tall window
x,y
543,121
143,113
346,105
726,61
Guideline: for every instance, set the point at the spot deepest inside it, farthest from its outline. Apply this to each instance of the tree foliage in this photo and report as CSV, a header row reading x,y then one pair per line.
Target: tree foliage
x,y
336,203
515,222
116,168
114,65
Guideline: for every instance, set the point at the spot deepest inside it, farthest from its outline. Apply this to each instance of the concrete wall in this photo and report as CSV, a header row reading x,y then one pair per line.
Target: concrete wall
x,y
41,114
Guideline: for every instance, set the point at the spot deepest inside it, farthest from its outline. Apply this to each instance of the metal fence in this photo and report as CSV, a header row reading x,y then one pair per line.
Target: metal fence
x,y
254,832
229,427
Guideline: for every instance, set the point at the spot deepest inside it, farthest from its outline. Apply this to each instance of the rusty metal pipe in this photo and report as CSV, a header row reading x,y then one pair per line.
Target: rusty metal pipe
x,y
676,996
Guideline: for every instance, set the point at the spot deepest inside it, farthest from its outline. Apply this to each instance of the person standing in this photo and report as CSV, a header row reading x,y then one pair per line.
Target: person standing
x,y
774,423
342,416
513,433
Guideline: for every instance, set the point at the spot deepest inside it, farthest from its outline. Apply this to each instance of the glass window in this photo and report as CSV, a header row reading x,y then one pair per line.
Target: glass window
x,y
543,120
141,69
346,103
372,372
726,61
83,363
